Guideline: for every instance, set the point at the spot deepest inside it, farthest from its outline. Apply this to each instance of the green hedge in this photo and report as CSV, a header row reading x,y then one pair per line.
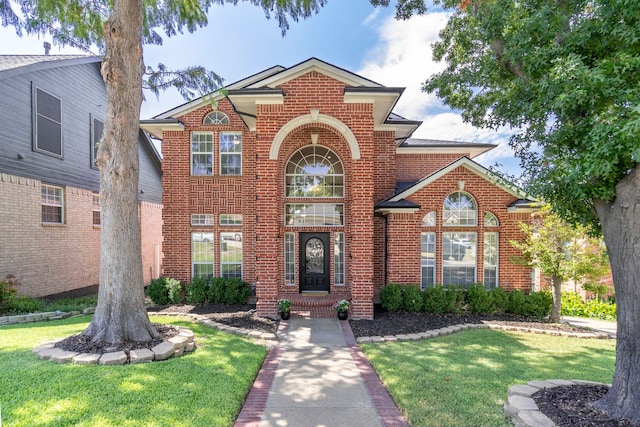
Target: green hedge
x,y
573,305
200,291
455,300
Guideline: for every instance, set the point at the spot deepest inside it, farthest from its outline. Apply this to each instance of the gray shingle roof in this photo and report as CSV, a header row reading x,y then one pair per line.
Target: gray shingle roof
x,y
8,62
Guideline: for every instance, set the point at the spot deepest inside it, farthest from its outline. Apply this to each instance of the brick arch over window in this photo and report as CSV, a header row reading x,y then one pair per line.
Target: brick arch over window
x,y
315,119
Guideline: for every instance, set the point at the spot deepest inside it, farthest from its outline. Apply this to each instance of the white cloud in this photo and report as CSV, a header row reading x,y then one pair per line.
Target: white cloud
x,y
403,57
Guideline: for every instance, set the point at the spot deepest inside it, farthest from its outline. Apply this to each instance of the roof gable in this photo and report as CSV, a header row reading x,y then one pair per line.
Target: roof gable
x,y
13,65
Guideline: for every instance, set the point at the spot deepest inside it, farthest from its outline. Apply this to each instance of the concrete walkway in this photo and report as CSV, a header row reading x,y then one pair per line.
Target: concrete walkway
x,y
609,327
318,376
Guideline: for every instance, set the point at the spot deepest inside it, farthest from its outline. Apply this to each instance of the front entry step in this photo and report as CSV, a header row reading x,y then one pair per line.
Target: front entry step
x,y
314,305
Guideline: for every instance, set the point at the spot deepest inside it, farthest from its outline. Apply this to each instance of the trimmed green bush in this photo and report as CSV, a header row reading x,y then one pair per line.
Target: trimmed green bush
x,y
479,300
197,291
8,290
158,292
539,304
517,302
434,300
236,291
23,304
175,291
455,297
412,298
500,300
391,297
217,290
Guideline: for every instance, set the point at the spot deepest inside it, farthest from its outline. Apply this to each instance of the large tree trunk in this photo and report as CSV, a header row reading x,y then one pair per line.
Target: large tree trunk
x,y
621,229
120,315
556,291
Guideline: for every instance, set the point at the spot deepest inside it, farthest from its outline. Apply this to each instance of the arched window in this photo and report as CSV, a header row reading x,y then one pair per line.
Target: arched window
x,y
429,220
460,209
314,171
490,220
216,118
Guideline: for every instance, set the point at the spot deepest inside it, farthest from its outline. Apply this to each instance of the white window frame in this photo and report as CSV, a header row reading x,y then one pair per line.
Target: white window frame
x,y
490,220
227,153
96,209
428,246
494,235
457,212
227,238
216,118
469,260
202,220
323,214
289,259
338,259
430,219
196,139
227,220
202,237
52,196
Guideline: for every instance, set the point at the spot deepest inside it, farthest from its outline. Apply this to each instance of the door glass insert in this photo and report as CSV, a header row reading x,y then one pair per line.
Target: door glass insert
x,y
315,256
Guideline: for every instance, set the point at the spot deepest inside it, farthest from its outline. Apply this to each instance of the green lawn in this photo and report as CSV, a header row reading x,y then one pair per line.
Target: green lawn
x,y
204,388
462,379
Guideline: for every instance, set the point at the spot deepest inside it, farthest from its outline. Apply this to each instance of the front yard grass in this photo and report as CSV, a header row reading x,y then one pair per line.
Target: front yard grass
x,y
204,388
462,379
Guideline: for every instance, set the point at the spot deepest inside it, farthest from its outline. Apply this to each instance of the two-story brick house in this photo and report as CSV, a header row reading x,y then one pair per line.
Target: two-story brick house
x,y
52,113
303,182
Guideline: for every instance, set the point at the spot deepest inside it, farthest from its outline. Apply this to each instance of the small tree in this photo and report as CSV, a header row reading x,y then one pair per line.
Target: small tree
x,y
560,251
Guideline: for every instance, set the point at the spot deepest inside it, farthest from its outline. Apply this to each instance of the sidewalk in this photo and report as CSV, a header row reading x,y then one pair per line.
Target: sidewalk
x,y
608,326
317,376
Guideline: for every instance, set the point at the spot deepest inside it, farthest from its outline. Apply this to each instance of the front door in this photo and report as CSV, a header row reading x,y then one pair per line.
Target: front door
x,y
314,262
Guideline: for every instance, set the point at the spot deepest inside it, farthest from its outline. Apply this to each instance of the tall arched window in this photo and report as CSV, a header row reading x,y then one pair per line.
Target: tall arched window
x,y
314,171
216,118
460,209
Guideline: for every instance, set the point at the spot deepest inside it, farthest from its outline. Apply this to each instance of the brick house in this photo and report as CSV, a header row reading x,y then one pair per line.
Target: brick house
x,y
53,109
303,182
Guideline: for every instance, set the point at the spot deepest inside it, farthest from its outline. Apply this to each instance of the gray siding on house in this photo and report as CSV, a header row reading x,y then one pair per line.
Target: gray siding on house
x,y
82,93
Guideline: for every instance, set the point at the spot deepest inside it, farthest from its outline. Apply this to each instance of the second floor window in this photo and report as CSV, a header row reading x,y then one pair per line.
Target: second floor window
x,y
202,153
47,123
230,153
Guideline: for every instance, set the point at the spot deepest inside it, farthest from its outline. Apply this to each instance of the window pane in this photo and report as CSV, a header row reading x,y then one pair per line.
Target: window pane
x,y
230,219
216,118
231,255
230,153
96,209
289,259
52,201
97,130
428,260
459,259
460,209
490,260
338,258
314,214
201,153
202,253
49,136
314,171
48,123
202,219
490,220
429,219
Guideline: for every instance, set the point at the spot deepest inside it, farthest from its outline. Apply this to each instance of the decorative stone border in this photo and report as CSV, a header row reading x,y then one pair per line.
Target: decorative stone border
x,y
38,317
173,347
521,407
455,328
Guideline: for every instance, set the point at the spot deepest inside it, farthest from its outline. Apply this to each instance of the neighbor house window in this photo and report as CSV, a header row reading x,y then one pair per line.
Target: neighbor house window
x,y
230,153
216,118
202,252
338,258
231,255
52,200
490,260
460,209
202,219
96,209
428,260
230,219
289,258
201,153
459,259
328,214
97,129
47,123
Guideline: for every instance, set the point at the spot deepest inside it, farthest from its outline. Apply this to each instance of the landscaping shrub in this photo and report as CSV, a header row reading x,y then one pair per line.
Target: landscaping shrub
x,y
412,298
8,290
236,291
175,291
23,304
158,291
479,300
600,309
517,302
539,304
197,291
572,305
391,297
455,297
217,290
500,300
434,300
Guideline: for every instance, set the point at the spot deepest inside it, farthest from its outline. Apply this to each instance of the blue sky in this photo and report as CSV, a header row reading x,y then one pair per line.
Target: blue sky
x,y
239,41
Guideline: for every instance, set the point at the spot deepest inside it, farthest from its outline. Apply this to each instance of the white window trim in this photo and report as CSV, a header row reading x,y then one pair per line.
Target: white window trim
x,y
229,153
339,266
223,263
212,263
191,152
289,258
61,205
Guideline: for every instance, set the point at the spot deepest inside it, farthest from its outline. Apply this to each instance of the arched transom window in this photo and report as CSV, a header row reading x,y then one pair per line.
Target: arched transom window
x,y
216,118
460,209
314,171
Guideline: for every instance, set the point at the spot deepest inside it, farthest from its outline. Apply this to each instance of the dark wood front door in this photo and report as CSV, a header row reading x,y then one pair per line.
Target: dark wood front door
x,y
314,262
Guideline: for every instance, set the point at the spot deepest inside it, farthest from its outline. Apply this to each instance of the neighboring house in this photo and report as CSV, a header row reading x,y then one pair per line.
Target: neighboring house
x,y
52,112
303,182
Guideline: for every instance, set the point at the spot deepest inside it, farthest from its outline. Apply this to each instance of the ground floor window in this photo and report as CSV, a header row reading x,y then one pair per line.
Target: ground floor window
x,y
490,260
96,209
231,255
338,258
202,255
428,260
289,258
459,258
